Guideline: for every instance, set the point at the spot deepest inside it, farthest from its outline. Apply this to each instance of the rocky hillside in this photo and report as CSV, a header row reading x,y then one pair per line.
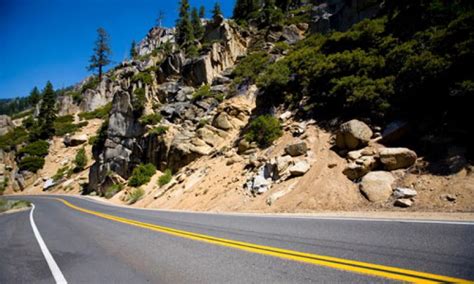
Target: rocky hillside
x,y
287,117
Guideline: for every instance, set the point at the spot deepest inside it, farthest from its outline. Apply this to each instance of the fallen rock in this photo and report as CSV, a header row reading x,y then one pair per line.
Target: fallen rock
x,y
449,197
377,186
75,140
48,184
397,158
402,192
353,134
360,167
296,149
300,168
403,202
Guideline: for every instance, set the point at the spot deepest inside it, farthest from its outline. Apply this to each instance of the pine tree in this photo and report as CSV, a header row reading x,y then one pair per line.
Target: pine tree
x,y
47,112
35,97
244,8
133,51
202,12
198,28
284,5
216,11
184,35
80,160
102,51
160,18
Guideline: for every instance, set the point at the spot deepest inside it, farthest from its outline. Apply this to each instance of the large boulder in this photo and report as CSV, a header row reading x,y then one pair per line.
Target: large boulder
x,y
296,149
397,158
221,121
74,140
300,168
353,134
377,186
360,167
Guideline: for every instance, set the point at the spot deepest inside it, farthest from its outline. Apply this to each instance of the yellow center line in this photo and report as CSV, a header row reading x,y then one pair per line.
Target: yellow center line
x,y
315,259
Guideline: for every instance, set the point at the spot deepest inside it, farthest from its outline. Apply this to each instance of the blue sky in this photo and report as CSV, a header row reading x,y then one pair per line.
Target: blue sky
x,y
52,40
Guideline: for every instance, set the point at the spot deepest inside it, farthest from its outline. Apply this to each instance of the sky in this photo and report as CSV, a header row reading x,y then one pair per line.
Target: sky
x,y
43,40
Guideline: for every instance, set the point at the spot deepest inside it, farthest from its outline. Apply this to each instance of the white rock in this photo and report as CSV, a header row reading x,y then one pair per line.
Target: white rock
x,y
377,186
402,192
300,168
403,202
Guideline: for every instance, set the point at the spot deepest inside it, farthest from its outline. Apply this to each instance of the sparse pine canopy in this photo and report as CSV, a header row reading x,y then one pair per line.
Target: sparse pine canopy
x,y
47,113
202,12
102,51
133,51
160,18
35,97
216,11
185,34
244,8
197,25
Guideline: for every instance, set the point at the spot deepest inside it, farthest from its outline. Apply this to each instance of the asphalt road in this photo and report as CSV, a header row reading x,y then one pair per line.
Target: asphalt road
x,y
97,248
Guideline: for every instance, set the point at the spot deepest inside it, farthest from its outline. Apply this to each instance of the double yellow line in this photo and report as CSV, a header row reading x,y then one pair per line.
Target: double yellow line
x,y
320,260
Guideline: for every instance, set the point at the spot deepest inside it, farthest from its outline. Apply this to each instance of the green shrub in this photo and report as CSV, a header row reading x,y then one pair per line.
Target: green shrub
x,y
100,113
61,173
92,83
135,195
151,119
31,163
138,101
6,205
165,178
203,92
15,137
112,190
80,160
143,77
250,66
28,122
64,125
264,130
92,139
38,148
141,175
159,130
99,139
22,114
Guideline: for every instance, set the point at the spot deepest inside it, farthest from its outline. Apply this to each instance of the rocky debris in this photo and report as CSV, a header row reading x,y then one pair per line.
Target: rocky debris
x,y
283,164
403,202
377,186
261,181
6,124
397,158
286,115
299,168
291,34
332,165
402,192
297,128
74,140
245,147
296,149
353,134
360,167
172,65
449,197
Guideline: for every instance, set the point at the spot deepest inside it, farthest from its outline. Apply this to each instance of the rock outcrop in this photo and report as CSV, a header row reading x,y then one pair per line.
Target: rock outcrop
x,y
226,46
6,124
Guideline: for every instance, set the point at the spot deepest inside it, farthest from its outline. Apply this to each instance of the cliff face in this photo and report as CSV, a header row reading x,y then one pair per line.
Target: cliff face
x,y
170,93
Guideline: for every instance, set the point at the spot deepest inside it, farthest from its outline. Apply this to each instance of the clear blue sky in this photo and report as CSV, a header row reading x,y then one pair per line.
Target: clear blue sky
x,y
52,40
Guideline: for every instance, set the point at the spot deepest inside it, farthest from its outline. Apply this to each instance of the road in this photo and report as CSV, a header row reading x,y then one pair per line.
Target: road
x,y
93,242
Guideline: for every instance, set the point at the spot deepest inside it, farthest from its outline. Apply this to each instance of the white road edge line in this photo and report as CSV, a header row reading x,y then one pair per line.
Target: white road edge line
x,y
53,266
